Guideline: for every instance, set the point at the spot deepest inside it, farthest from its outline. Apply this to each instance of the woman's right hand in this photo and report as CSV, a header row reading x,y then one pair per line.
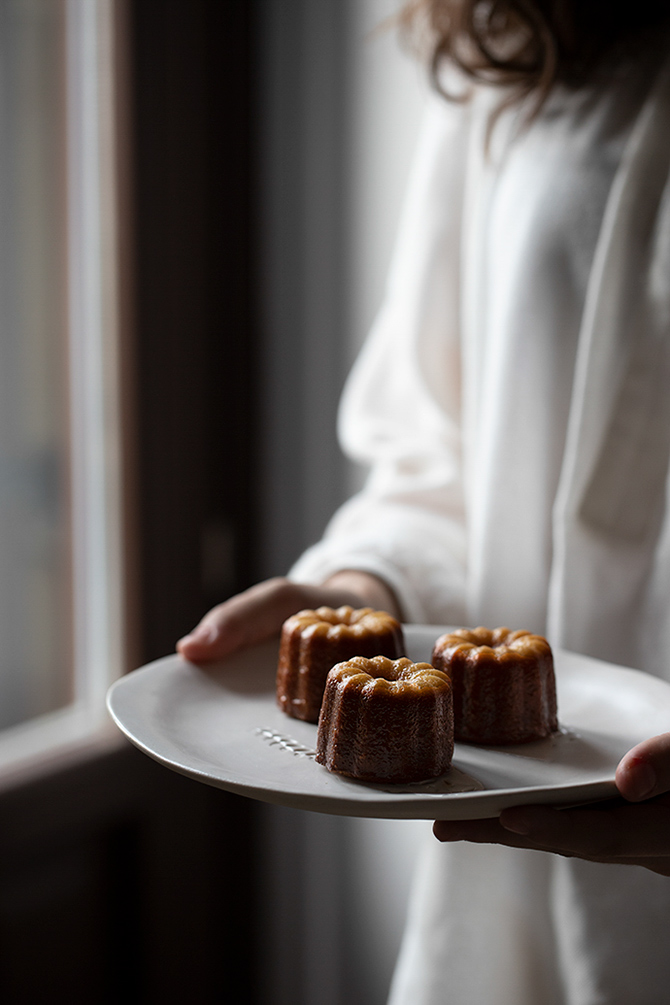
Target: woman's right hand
x,y
258,613
631,832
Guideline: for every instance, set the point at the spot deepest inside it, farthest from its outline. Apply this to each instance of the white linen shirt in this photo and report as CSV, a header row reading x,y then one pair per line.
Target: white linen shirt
x,y
513,403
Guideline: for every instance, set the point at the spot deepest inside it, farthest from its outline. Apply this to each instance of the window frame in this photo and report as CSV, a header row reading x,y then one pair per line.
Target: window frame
x,y
98,372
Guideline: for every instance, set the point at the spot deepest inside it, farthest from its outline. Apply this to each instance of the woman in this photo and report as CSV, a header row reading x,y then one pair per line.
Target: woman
x,y
512,402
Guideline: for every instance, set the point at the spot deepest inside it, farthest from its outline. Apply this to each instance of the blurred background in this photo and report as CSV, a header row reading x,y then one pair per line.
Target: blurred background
x,y
198,203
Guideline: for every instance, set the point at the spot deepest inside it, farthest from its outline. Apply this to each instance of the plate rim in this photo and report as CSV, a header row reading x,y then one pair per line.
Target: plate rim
x,y
484,803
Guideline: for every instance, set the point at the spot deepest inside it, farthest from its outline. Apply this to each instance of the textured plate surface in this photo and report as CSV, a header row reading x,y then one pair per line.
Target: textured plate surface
x,y
220,725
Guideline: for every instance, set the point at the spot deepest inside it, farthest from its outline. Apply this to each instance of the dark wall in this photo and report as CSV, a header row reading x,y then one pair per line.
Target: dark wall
x,y
123,882
192,72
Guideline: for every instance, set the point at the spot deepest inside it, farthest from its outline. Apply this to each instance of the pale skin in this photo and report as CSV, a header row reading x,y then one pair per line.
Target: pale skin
x,y
633,829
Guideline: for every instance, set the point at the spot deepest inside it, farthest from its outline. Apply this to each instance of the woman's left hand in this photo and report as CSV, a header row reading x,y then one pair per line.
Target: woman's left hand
x,y
633,829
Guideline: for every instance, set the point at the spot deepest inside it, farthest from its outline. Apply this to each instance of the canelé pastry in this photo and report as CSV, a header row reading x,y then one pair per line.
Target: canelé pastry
x,y
504,684
314,641
386,720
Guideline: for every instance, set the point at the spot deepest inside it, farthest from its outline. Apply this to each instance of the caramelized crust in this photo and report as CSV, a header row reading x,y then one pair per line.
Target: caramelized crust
x,y
314,641
504,684
386,720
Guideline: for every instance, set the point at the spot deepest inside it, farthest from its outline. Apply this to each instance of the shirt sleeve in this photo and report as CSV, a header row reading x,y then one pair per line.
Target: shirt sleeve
x,y
401,408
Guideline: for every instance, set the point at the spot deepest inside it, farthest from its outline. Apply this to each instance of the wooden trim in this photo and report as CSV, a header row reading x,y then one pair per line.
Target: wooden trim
x,y
126,238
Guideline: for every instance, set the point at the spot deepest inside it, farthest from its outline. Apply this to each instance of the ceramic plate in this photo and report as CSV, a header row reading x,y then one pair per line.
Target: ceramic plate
x,y
220,725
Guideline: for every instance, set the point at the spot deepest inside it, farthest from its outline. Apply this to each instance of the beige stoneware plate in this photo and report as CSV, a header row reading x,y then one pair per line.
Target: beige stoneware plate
x,y
220,725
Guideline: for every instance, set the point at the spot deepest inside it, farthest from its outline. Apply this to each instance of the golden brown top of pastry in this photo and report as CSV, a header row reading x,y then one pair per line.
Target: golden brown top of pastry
x,y
345,620
377,673
496,642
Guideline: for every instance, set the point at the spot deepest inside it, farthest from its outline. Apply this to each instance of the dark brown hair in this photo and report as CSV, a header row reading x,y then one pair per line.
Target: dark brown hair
x,y
528,45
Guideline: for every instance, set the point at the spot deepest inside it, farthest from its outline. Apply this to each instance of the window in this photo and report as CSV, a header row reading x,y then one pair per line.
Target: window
x,y
61,615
